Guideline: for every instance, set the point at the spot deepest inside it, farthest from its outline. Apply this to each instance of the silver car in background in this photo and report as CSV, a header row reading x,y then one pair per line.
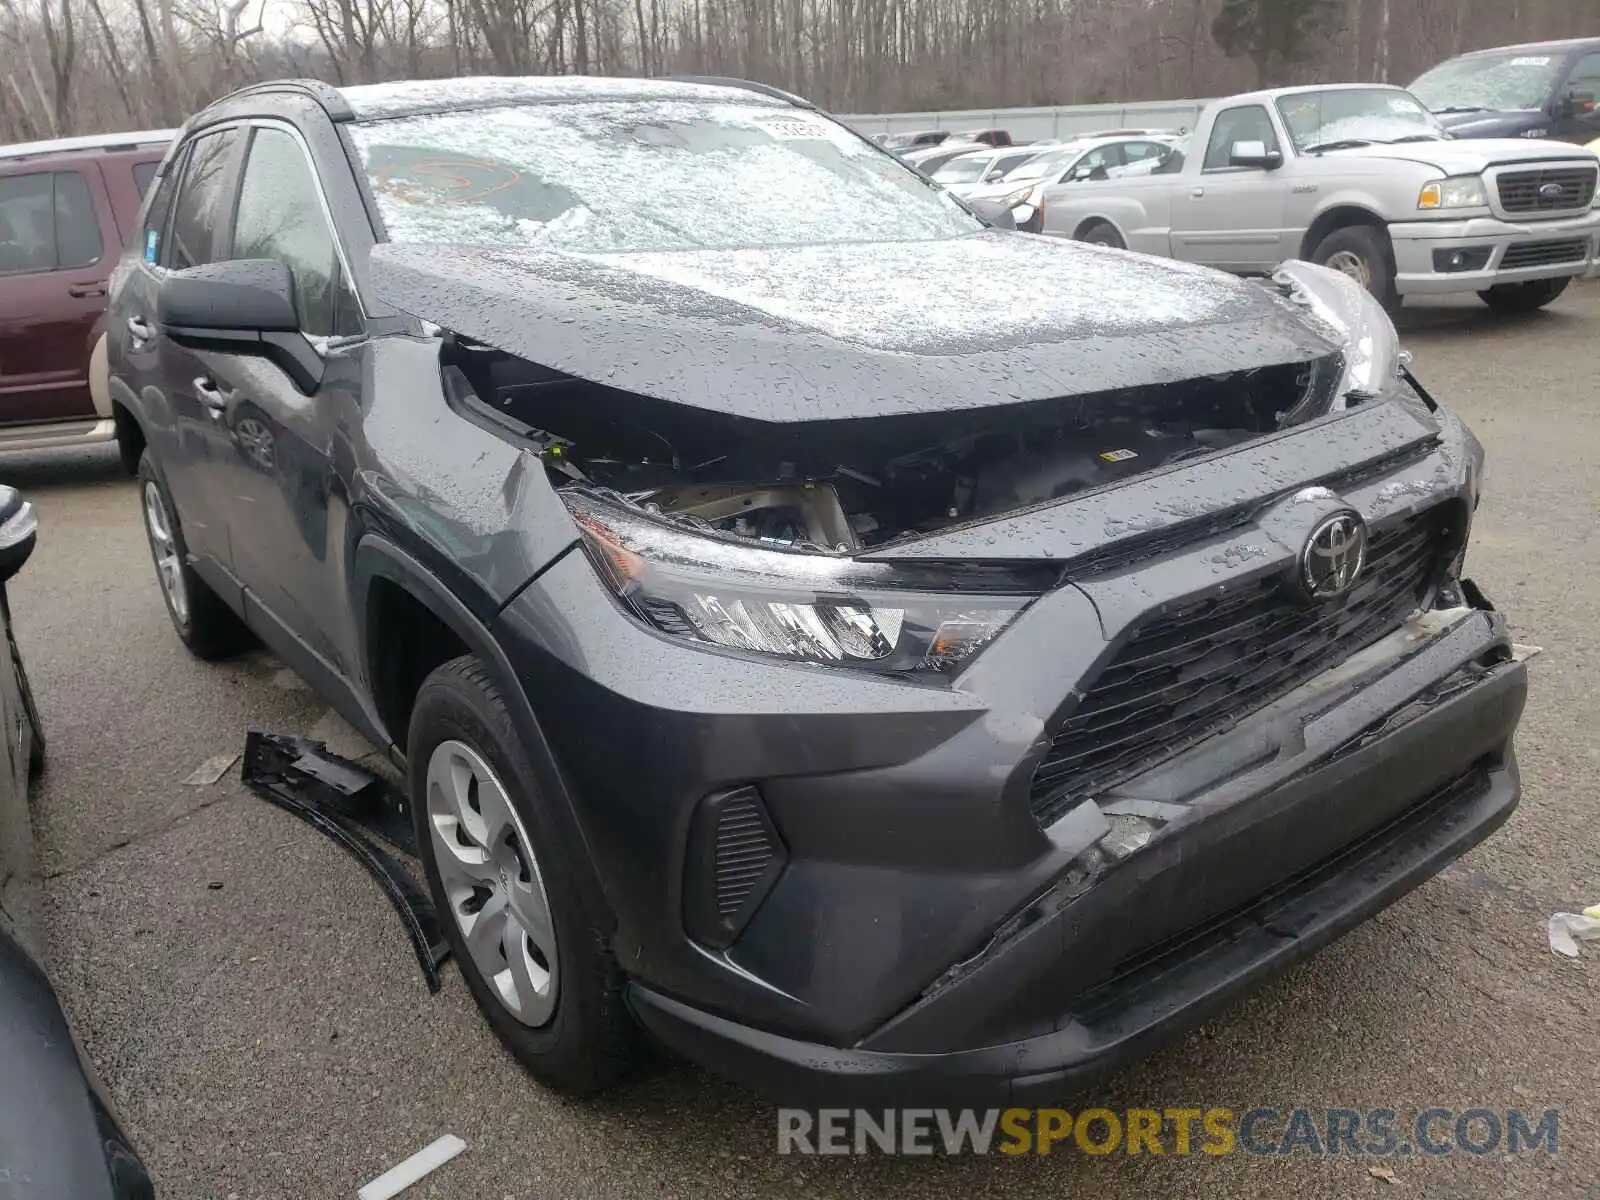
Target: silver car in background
x,y
967,173
1091,158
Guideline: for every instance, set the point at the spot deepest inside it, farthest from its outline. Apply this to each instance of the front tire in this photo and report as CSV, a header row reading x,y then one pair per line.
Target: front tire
x,y
1524,297
534,955
1102,233
204,622
1364,253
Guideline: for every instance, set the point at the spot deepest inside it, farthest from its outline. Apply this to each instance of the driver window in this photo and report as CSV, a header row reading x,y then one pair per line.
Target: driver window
x,y
281,216
1585,75
1249,123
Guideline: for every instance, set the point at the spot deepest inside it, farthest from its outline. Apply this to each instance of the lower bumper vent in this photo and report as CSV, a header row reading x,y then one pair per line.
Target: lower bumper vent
x,y
734,857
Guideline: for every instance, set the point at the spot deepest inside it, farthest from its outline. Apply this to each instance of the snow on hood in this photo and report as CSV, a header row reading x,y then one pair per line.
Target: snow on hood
x,y
1468,156
801,333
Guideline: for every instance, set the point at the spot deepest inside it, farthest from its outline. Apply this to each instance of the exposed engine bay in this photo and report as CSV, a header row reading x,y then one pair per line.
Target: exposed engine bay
x,y
842,486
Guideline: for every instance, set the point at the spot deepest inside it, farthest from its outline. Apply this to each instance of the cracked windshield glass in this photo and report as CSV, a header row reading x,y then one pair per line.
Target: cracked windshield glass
x,y
644,176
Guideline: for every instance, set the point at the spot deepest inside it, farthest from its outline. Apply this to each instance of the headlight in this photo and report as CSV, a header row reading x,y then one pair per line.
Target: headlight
x,y
802,607
1371,346
1460,191
1020,196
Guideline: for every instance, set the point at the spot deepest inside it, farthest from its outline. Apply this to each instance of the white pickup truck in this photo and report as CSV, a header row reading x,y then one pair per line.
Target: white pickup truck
x,y
1363,179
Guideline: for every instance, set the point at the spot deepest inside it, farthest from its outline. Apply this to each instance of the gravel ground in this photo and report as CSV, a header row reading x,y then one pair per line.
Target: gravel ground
x,y
260,1021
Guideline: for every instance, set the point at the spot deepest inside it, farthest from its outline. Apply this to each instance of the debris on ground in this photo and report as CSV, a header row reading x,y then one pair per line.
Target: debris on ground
x,y
1384,1173
398,1178
213,769
1566,930
357,810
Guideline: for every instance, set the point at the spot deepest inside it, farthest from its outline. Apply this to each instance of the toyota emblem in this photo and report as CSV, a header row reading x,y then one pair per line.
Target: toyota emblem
x,y
1331,561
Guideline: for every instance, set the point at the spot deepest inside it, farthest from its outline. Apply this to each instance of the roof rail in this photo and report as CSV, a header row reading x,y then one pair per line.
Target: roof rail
x,y
106,142
749,85
325,94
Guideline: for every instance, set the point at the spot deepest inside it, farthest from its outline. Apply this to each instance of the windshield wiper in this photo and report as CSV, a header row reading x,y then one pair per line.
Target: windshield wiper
x,y
1461,108
1341,144
1416,137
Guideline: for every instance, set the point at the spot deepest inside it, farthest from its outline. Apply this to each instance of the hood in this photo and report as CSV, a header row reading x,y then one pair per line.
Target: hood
x,y
807,333
1493,123
1466,156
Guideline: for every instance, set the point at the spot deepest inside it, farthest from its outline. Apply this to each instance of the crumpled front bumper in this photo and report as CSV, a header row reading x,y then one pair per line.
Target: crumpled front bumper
x,y
1359,786
1417,245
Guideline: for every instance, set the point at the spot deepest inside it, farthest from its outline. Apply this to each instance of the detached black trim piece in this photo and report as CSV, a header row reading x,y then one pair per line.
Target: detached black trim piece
x,y
352,807
734,858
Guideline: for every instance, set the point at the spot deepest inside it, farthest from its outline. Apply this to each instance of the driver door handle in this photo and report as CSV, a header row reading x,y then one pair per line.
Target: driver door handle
x,y
1199,191
78,291
213,397
139,329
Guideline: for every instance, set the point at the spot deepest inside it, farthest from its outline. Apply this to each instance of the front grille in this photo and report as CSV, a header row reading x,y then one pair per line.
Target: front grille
x,y
1196,671
1545,254
1523,191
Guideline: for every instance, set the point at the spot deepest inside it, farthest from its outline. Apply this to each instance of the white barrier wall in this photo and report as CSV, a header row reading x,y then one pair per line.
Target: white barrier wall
x,y
1034,124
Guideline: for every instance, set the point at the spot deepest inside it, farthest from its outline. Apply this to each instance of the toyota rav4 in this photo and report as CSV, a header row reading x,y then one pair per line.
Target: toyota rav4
x,y
798,648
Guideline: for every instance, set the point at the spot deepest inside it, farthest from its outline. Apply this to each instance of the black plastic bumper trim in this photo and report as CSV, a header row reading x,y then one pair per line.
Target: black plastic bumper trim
x,y
1378,872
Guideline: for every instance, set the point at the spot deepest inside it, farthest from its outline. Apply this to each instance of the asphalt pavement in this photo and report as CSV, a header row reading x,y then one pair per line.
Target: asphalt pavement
x,y
260,1021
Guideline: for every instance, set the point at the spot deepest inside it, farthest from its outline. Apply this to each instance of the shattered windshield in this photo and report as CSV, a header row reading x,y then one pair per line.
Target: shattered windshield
x,y
1354,116
1502,82
643,175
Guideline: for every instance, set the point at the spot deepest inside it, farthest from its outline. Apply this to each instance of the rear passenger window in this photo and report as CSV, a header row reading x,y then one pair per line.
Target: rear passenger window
x,y
143,173
47,223
27,234
159,210
202,201
78,241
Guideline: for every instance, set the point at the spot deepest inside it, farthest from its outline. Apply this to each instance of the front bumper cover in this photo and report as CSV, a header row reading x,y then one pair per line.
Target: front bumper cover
x,y
1391,806
1416,241
914,865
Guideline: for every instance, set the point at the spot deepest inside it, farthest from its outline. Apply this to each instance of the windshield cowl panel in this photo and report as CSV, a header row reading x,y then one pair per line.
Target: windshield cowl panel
x,y
624,175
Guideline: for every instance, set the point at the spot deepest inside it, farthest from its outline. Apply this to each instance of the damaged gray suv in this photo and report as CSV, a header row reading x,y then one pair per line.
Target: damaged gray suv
x,y
875,653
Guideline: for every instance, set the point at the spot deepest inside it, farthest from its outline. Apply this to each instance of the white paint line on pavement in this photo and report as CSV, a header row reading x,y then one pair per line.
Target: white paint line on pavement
x,y
397,1179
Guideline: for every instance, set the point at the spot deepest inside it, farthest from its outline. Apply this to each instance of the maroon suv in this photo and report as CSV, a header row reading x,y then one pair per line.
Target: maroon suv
x,y
67,209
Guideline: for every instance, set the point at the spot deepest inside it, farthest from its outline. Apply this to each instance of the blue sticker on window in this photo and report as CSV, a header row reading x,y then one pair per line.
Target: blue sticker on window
x,y
151,240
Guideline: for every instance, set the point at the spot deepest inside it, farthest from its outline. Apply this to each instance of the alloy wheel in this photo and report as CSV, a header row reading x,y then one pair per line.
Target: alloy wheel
x,y
1348,262
492,881
159,525
256,441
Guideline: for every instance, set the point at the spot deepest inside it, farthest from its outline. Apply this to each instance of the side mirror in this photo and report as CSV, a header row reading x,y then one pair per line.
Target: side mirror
x,y
1254,154
1578,102
19,530
993,213
245,306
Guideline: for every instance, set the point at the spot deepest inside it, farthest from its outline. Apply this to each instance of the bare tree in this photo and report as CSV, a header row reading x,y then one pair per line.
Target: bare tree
x,y
80,65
